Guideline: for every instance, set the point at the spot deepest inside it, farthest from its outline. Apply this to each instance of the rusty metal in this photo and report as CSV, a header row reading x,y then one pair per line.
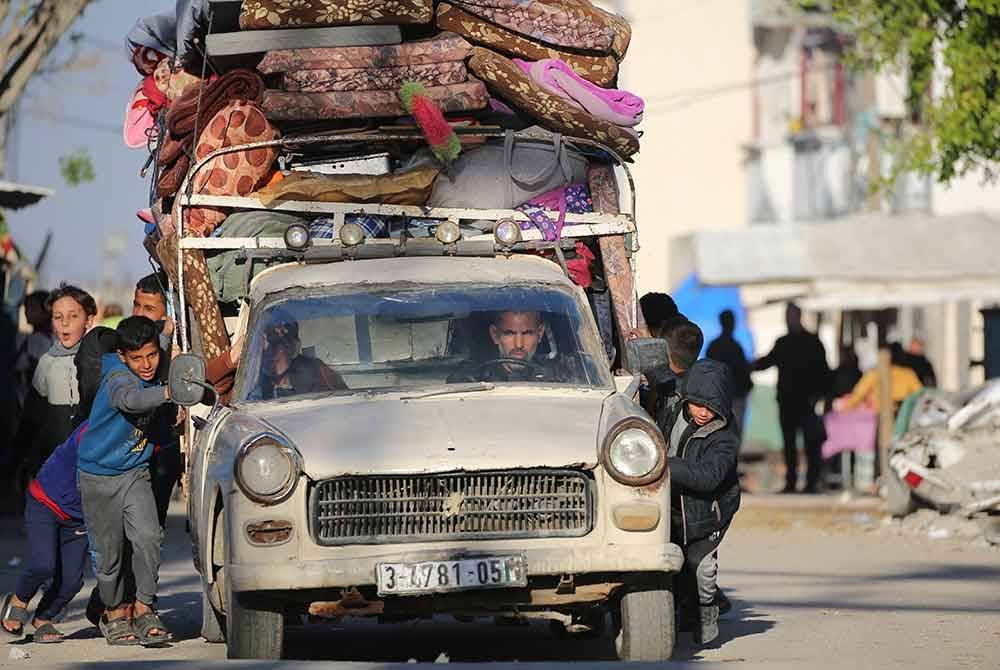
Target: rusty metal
x,y
480,505
566,585
351,603
269,532
582,594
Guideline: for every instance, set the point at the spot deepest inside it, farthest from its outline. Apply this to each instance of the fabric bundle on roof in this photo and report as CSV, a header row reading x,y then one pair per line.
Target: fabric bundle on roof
x,y
443,48
259,14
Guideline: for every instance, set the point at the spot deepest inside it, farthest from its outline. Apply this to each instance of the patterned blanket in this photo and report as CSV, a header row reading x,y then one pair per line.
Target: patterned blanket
x,y
511,84
292,106
444,48
601,70
265,14
374,79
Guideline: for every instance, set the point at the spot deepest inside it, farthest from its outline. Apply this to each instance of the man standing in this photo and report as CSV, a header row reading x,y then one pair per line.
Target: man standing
x,y
917,361
726,349
803,376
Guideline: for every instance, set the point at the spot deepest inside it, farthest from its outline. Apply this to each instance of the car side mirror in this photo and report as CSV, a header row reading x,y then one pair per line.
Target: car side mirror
x,y
645,353
187,379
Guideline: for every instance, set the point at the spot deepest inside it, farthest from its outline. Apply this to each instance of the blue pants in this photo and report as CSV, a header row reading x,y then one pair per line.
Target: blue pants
x,y
57,552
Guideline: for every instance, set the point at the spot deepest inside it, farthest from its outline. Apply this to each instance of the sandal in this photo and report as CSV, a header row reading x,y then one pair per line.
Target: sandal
x,y
144,623
11,612
117,631
48,634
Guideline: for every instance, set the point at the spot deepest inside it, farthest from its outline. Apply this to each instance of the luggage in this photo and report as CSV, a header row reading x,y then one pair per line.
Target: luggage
x,y
563,23
443,48
503,176
403,188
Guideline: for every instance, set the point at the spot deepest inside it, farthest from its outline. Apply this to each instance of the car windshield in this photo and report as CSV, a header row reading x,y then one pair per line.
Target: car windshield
x,y
419,337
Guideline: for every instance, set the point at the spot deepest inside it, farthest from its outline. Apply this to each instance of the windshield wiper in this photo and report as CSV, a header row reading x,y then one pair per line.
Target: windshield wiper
x,y
452,389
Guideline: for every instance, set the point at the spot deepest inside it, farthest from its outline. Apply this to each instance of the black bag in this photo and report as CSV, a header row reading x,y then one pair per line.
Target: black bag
x,y
99,341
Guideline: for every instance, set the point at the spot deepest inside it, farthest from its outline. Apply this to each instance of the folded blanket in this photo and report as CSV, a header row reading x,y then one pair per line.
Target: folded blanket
x,y
236,174
572,24
443,48
619,107
511,84
285,106
374,79
601,70
258,14
186,113
573,198
403,188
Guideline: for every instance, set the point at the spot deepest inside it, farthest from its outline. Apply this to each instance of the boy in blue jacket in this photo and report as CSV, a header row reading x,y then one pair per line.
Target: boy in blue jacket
x,y
57,546
115,487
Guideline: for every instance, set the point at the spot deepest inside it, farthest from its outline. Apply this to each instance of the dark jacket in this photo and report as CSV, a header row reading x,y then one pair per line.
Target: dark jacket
x,y
49,408
704,483
666,387
55,487
803,373
726,349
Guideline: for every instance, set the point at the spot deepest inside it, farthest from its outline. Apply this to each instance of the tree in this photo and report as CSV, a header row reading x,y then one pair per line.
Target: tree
x,y
27,36
958,114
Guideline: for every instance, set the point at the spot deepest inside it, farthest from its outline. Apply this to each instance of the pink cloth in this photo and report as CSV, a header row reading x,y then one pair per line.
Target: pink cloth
x,y
556,76
854,430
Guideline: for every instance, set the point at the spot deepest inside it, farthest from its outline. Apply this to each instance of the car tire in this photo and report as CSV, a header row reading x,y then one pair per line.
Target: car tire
x,y
252,629
213,624
899,500
646,630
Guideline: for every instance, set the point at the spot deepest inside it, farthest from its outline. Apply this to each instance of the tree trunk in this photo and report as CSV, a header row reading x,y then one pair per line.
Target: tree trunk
x,y
24,48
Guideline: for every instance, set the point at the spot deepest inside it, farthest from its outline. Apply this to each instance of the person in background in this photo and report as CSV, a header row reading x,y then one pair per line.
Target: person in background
x,y
111,315
726,349
658,310
844,377
33,345
803,378
51,402
684,343
903,382
917,361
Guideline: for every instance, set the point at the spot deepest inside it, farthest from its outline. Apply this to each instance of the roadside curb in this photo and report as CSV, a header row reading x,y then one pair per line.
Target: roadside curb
x,y
801,503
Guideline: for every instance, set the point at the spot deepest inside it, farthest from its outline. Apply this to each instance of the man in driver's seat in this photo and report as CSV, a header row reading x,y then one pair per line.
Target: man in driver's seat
x,y
516,336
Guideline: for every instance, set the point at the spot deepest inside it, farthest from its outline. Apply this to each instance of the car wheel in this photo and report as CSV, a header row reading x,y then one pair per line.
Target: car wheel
x,y
646,631
213,624
253,630
899,499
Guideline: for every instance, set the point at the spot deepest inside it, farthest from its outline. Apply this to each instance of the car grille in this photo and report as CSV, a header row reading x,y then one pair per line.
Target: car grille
x,y
479,505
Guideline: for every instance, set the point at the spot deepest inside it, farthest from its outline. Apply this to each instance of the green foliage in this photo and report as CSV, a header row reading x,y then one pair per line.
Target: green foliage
x,y
959,110
77,168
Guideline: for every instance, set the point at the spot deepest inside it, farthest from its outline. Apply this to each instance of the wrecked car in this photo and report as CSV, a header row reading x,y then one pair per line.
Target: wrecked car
x,y
414,464
946,453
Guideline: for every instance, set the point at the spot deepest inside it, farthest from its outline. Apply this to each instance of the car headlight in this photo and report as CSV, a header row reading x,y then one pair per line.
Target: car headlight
x,y
267,469
634,453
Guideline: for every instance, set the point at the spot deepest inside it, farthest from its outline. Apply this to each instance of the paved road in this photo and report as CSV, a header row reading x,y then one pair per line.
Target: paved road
x,y
808,592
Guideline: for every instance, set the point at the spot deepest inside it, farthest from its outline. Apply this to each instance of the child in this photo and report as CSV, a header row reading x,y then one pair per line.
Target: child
x,y
51,402
57,546
115,483
684,342
704,485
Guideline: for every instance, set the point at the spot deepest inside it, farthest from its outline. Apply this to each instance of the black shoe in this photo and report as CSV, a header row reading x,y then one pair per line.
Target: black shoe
x,y
789,488
95,607
722,601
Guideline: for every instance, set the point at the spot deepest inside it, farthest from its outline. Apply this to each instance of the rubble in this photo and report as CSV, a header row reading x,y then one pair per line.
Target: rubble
x,y
933,525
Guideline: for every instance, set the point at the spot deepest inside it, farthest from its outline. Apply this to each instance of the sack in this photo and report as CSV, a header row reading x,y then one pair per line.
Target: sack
x,y
403,188
503,176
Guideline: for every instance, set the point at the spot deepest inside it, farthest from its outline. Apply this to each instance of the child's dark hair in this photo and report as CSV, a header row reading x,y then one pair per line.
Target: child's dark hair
x,y
135,332
684,342
65,290
154,284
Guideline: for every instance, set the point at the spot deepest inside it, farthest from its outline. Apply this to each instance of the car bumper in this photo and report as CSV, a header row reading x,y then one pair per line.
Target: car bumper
x,y
621,560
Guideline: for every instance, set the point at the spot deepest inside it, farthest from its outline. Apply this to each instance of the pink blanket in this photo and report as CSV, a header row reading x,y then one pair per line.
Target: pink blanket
x,y
850,431
619,107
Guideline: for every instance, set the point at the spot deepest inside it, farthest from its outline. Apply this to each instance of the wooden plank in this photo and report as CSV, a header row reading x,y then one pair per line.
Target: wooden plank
x,y
614,254
259,41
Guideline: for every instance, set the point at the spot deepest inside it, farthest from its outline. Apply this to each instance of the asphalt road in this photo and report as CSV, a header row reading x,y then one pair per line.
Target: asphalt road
x,y
808,591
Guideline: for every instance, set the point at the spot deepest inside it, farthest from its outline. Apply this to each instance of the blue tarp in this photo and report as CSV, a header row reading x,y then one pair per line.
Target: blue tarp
x,y
702,304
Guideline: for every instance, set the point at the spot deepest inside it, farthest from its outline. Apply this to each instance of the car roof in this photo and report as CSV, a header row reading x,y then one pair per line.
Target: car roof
x,y
420,270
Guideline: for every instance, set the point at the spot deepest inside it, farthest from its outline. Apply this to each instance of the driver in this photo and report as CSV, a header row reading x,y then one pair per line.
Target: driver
x,y
516,335
285,370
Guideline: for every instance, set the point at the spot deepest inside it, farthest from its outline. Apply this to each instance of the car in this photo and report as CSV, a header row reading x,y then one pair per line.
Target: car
x,y
419,436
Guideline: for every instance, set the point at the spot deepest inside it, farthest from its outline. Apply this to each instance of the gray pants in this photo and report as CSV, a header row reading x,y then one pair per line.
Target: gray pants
x,y
701,567
117,508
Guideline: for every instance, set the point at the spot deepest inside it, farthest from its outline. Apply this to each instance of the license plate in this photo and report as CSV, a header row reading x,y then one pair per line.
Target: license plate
x,y
487,572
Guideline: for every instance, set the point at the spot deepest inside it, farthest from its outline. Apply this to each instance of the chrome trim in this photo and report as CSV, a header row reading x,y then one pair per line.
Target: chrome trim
x,y
654,433
288,488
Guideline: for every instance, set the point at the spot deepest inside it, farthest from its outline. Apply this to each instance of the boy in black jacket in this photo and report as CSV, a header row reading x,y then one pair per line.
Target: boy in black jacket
x,y
702,450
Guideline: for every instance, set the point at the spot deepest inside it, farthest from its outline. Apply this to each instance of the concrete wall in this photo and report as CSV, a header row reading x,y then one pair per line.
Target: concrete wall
x,y
690,171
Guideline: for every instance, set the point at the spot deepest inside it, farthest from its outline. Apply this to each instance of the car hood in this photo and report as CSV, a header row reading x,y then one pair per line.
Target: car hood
x,y
495,429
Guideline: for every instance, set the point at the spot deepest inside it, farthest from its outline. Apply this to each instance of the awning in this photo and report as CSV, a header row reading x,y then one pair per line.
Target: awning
x,y
869,250
16,196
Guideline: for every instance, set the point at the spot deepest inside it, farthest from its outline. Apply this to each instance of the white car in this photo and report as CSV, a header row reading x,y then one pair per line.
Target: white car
x,y
412,465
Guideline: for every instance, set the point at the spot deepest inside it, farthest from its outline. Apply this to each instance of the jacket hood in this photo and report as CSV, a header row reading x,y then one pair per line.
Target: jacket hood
x,y
708,383
111,362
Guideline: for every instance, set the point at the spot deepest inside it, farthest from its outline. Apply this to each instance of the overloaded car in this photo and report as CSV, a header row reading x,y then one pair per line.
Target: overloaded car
x,y
419,436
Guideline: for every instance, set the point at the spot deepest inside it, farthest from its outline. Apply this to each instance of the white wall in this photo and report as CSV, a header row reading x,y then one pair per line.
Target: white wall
x,y
690,171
